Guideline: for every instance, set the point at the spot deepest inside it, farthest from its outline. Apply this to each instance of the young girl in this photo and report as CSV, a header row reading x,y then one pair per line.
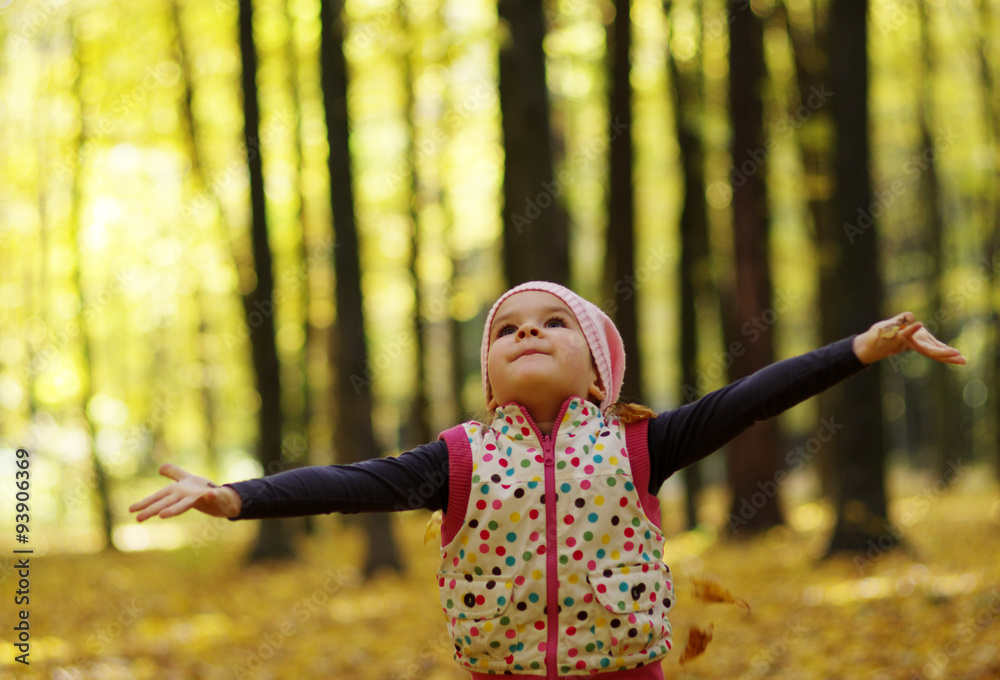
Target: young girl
x,y
551,563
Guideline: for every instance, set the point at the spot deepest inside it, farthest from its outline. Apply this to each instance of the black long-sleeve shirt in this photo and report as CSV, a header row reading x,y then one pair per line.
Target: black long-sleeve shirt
x,y
419,478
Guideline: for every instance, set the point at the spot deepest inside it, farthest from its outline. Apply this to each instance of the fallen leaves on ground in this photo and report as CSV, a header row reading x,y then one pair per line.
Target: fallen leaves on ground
x,y
931,610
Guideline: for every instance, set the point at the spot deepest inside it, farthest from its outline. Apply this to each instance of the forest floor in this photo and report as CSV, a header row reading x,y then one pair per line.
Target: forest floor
x,y
928,610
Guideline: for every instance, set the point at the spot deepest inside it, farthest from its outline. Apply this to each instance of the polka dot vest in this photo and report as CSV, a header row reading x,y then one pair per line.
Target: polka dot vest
x,y
556,569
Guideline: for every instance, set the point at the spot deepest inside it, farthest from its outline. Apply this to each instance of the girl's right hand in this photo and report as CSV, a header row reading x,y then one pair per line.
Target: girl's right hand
x,y
188,491
898,334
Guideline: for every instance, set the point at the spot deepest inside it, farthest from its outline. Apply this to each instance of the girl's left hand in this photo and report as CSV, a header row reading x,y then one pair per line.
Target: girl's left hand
x,y
898,334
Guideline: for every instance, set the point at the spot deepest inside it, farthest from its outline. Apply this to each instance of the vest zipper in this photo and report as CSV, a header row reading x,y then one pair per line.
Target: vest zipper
x,y
548,443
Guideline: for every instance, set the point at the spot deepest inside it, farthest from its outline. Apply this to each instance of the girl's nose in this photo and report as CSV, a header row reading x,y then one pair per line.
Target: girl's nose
x,y
527,329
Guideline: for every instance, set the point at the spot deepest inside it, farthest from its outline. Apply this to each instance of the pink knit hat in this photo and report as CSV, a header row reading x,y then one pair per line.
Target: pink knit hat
x,y
603,338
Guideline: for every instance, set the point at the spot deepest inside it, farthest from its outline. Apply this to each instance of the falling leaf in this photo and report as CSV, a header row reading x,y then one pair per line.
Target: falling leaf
x,y
433,529
698,640
891,331
710,590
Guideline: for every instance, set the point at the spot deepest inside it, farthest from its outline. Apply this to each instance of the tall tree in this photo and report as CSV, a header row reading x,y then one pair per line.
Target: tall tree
x,y
535,231
620,238
860,497
809,36
753,456
302,415
943,414
420,407
991,242
693,265
197,177
274,540
354,437
86,373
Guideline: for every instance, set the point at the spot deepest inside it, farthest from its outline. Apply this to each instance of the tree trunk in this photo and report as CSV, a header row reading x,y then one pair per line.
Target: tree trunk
x,y
860,498
619,284
188,129
991,116
419,426
944,412
753,456
187,126
458,353
354,438
302,414
812,76
274,540
100,477
535,233
692,272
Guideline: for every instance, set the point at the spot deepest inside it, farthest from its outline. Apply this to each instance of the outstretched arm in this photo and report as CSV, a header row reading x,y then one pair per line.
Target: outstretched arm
x,y
687,434
413,480
898,334
188,491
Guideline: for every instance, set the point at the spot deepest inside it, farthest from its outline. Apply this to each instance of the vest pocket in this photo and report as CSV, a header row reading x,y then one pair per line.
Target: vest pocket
x,y
480,618
635,601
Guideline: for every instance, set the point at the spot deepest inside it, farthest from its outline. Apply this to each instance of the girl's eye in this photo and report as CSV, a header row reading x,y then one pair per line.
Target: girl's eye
x,y
555,322
505,330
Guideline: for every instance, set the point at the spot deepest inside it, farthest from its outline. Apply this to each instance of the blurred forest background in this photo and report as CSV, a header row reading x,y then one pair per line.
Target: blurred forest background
x,y
244,237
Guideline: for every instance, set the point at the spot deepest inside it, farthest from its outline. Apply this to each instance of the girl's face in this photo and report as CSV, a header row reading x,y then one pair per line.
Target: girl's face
x,y
538,356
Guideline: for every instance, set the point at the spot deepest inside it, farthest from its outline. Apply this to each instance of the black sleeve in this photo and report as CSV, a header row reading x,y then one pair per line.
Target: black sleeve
x,y
413,480
687,434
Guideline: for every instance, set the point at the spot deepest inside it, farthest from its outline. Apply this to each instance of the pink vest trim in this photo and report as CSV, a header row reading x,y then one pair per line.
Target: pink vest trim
x,y
459,481
653,672
637,445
